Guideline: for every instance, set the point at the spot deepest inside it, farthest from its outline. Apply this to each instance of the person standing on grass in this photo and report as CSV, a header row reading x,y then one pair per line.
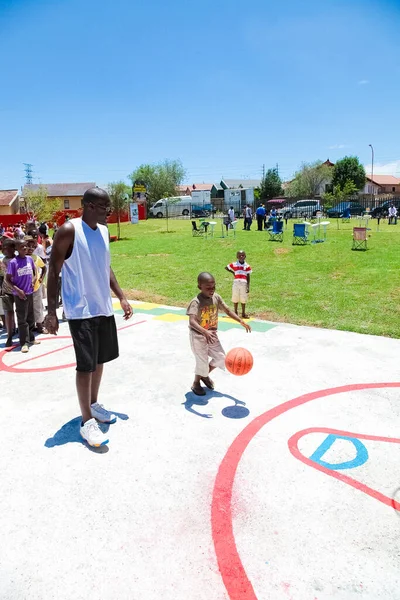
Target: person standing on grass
x,y
248,217
81,250
21,273
260,214
241,282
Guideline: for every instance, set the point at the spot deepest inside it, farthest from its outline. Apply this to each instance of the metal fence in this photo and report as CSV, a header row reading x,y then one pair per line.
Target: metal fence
x,y
292,208
193,210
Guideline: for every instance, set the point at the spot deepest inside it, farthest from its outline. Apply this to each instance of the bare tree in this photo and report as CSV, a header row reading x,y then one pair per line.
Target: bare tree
x,y
39,205
119,196
308,181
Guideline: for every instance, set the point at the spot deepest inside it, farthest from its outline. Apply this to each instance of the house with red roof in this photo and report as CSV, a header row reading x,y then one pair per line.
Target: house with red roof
x,y
9,202
381,184
187,189
69,194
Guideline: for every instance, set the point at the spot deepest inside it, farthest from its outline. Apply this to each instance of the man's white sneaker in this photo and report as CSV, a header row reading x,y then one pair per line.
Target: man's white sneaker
x,y
91,432
102,414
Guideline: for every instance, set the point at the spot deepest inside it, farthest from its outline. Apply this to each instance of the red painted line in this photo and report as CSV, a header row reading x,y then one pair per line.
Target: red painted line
x,y
294,449
22,362
15,368
230,565
132,325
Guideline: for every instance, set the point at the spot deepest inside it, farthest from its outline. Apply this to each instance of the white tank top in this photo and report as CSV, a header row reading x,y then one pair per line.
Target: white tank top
x,y
86,274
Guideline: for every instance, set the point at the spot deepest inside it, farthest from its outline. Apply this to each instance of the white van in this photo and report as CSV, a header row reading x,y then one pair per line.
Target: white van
x,y
177,206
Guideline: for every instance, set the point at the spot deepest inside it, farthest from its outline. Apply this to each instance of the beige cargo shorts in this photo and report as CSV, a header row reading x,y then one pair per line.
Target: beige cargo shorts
x,y
239,291
203,350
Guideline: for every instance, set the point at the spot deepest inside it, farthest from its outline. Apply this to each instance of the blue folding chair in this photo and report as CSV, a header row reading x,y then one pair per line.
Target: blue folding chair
x,y
300,234
276,232
346,216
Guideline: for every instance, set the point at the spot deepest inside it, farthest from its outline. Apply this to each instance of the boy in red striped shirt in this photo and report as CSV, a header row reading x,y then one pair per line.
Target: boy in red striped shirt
x,y
241,282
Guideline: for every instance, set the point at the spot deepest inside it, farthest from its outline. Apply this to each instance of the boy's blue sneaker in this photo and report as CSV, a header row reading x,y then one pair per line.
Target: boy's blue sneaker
x,y
102,414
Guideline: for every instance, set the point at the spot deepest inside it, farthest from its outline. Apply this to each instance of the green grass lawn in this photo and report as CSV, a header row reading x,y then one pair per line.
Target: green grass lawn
x,y
325,285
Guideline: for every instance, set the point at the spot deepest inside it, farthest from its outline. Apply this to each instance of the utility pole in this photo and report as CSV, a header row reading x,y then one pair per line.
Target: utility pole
x,y
372,174
263,172
28,173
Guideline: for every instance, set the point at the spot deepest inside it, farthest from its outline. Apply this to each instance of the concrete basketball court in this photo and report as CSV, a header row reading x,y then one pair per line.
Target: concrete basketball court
x,y
283,484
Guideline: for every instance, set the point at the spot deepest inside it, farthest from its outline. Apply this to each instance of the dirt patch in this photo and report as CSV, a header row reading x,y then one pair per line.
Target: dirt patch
x,y
336,275
281,251
325,305
145,296
269,315
145,255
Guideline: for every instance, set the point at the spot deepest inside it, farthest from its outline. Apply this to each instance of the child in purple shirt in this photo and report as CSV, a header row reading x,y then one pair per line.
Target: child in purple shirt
x,y
21,273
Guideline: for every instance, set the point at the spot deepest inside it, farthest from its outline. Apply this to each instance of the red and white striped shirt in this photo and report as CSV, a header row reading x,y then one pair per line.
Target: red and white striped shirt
x,y
241,270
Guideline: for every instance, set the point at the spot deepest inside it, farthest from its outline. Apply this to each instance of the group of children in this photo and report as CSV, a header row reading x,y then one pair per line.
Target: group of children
x,y
22,271
203,320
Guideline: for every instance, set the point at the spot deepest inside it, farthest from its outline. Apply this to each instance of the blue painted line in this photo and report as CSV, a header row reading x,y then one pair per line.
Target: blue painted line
x,y
360,459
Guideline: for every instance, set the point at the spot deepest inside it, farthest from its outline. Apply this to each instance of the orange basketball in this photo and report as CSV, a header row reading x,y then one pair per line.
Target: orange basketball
x,y
239,361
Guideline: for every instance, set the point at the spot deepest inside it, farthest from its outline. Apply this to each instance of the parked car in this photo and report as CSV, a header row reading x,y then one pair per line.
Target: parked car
x,y
202,211
383,209
302,208
343,207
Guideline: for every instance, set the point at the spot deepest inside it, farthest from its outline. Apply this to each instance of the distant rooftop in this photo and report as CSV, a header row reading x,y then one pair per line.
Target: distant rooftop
x,y
62,189
244,183
384,179
7,197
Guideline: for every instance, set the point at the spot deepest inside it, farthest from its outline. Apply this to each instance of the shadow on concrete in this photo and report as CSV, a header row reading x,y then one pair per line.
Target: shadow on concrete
x,y
237,411
69,433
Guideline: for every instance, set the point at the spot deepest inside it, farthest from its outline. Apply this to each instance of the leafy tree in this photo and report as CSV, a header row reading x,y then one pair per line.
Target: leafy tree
x,y
39,205
271,185
339,194
119,194
308,181
348,169
161,179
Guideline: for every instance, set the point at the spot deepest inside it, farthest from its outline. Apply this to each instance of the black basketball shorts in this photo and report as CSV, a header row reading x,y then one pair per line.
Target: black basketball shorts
x,y
95,342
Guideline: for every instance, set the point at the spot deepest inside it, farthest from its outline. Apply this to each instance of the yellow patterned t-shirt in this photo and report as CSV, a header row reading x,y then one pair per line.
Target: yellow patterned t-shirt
x,y
39,264
206,310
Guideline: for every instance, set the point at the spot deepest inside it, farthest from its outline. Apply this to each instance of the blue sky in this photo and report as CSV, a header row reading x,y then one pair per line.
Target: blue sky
x,y
91,89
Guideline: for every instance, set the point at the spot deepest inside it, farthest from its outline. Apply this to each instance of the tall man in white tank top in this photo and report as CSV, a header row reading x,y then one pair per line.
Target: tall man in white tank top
x,y
81,251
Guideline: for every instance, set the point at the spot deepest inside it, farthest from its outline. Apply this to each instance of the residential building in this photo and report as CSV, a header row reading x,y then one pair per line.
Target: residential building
x,y
9,202
69,194
240,183
381,184
184,190
187,189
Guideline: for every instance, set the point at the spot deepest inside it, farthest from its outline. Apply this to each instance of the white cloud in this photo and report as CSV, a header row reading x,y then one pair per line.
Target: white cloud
x,y
363,82
337,147
392,168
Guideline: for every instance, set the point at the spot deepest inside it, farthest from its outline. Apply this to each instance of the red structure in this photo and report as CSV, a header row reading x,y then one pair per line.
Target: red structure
x,y
10,220
142,211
